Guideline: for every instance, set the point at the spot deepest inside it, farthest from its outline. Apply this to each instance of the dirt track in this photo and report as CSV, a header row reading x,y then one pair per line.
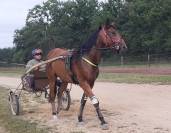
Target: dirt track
x,y
128,108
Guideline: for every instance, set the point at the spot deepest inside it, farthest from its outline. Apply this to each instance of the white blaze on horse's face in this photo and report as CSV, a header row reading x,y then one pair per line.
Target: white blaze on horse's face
x,y
117,47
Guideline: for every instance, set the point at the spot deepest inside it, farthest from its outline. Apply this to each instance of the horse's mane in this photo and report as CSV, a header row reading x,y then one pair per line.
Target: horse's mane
x,y
85,47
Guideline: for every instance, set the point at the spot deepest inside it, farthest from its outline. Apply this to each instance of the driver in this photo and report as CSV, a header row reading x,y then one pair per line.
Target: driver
x,y
37,58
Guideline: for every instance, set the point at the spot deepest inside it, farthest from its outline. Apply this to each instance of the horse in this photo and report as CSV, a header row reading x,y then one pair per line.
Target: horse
x,y
84,67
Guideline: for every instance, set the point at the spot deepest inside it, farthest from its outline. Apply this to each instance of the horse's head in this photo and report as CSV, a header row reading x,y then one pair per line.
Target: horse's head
x,y
111,37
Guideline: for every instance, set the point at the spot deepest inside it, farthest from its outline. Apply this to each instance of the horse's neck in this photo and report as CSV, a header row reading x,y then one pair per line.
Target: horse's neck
x,y
94,54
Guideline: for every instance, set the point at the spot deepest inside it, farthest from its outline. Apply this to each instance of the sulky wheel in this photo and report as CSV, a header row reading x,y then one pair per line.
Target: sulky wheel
x,y
14,103
66,100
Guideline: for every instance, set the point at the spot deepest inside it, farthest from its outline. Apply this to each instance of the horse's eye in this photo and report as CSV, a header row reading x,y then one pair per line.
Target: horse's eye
x,y
112,33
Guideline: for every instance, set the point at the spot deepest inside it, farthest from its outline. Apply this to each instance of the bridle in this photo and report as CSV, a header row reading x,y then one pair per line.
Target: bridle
x,y
114,40
102,48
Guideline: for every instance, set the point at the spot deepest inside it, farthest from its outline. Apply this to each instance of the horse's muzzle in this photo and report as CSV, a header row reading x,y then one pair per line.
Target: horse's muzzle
x,y
123,47
119,48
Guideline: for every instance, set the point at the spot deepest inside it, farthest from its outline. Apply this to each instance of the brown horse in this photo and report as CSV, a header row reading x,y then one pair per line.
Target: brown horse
x,y
84,67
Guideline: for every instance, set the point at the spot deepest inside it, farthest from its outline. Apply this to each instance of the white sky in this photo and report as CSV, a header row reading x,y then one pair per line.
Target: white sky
x,y
12,16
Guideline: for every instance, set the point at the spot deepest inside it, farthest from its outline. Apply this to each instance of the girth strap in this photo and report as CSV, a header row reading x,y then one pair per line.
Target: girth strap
x,y
68,66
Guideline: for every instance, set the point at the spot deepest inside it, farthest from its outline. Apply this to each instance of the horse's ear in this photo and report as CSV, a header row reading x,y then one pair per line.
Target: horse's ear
x,y
114,25
100,27
107,22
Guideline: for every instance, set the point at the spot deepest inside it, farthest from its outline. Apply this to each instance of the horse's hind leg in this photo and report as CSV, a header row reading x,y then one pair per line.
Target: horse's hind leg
x,y
61,90
52,95
83,102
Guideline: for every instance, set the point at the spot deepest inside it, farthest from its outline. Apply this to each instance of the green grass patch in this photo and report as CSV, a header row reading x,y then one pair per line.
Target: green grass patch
x,y
12,72
134,78
13,124
109,77
136,65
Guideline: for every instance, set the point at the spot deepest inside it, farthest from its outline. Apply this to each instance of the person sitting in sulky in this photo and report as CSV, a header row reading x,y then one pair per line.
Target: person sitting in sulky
x,y
37,58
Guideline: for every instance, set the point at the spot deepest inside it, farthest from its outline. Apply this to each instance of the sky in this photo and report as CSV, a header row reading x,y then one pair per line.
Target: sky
x,y
13,14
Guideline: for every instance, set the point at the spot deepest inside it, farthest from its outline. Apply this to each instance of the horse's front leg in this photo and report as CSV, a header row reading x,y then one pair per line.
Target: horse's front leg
x,y
88,91
61,90
83,102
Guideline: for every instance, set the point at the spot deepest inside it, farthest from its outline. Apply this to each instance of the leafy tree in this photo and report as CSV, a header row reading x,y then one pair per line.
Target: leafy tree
x,y
145,25
6,54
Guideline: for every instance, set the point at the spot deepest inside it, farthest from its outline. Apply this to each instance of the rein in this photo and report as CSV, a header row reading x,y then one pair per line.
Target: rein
x,y
108,48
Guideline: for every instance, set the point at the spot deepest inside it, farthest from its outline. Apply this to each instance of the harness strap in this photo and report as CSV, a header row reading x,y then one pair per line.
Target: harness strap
x,y
89,62
68,66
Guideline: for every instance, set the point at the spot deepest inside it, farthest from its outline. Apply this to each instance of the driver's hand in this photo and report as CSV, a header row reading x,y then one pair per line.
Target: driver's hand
x,y
37,68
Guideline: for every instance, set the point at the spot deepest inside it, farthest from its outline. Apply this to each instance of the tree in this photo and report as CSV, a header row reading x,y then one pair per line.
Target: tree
x,y
145,25
6,54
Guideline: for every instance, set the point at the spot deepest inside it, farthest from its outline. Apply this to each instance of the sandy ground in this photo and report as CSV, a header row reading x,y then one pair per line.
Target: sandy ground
x,y
2,130
128,108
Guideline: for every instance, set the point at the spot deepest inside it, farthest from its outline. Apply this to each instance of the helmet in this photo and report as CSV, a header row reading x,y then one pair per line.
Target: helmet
x,y
38,50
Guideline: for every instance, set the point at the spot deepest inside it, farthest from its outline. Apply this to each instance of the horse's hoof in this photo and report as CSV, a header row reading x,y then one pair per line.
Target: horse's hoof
x,y
105,126
55,118
81,123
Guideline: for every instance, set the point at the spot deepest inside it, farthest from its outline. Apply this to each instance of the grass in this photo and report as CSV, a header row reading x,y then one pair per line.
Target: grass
x,y
11,72
134,65
134,78
13,124
109,77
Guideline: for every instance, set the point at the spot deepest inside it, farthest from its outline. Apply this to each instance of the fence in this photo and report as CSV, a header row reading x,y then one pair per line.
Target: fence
x,y
8,64
118,60
147,60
